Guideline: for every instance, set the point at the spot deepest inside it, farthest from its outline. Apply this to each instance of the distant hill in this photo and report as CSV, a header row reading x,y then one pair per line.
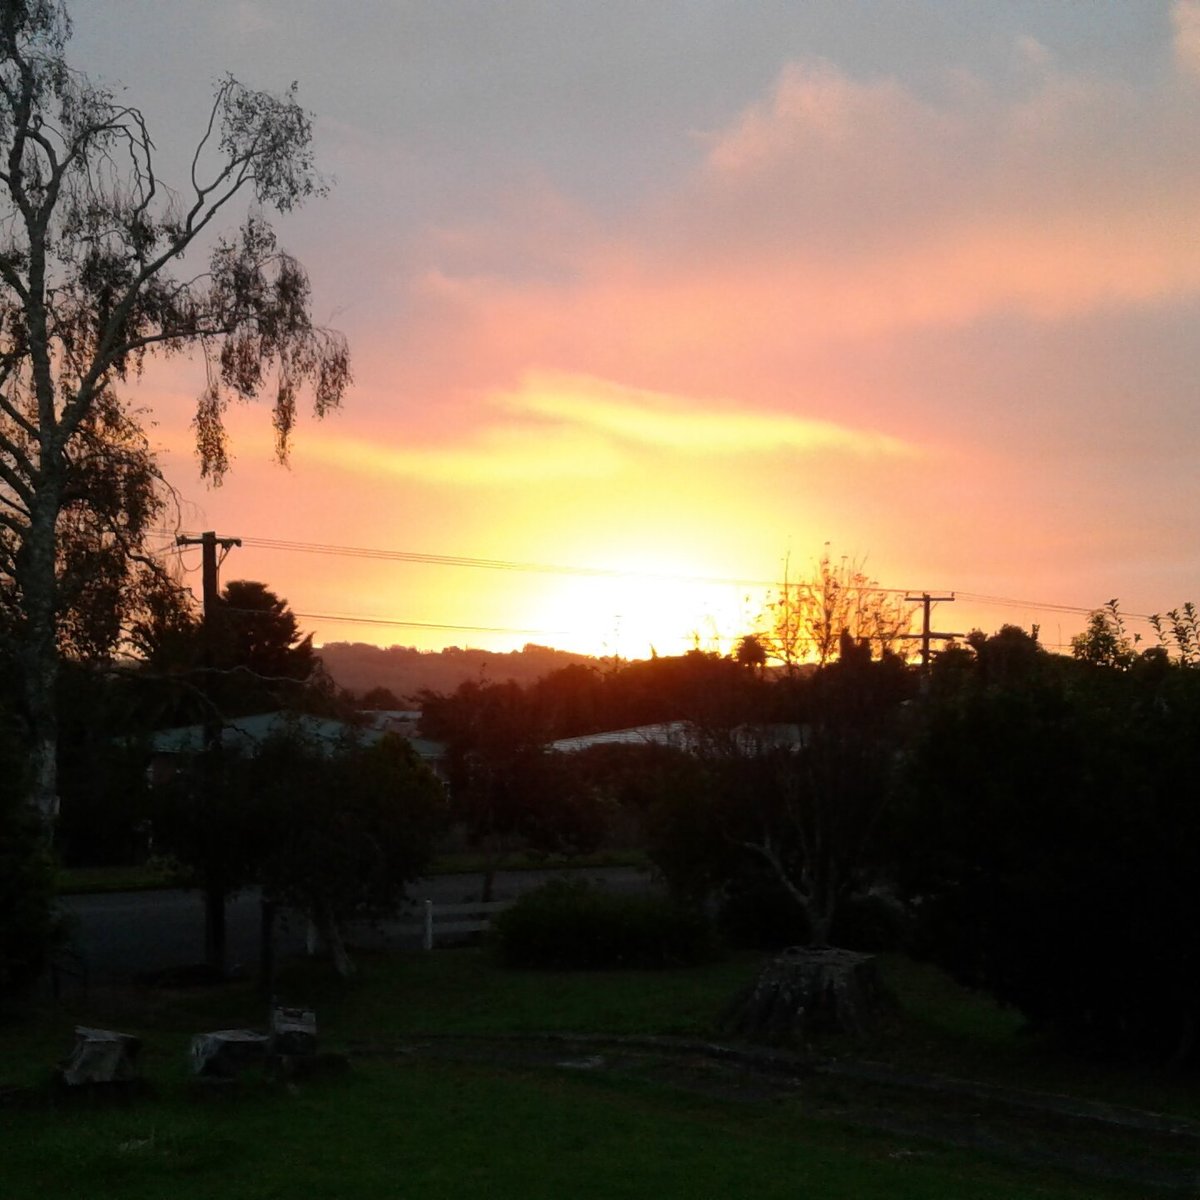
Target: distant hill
x,y
406,671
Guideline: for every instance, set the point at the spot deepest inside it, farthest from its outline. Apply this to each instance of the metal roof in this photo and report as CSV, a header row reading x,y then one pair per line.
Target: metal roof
x,y
667,733
686,735
244,733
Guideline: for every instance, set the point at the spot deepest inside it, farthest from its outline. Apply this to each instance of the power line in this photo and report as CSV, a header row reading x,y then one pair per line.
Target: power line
x,y
503,564
491,564
1045,606
514,565
357,620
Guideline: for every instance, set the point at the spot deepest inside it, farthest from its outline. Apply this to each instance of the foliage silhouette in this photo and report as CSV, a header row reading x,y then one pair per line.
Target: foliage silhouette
x,y
808,617
94,279
1048,831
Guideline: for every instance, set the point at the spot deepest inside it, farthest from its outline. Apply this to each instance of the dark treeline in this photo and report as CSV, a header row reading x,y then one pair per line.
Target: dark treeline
x,y
581,698
1046,822
327,817
1026,820
404,671
250,658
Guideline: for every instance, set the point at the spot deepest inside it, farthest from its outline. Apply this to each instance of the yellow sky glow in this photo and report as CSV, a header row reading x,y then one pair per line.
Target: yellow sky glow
x,y
930,297
685,424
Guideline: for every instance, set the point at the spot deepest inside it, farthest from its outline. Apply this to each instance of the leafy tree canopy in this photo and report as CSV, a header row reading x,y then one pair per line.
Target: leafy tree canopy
x,y
1047,827
96,276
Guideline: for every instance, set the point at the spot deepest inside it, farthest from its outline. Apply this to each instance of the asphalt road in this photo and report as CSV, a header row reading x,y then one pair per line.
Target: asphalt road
x,y
120,934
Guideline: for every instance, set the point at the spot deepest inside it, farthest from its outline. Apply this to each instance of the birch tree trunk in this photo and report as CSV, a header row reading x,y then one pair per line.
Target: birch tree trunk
x,y
39,652
93,280
331,934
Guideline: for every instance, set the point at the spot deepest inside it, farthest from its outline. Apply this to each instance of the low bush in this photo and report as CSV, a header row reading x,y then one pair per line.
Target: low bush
x,y
571,924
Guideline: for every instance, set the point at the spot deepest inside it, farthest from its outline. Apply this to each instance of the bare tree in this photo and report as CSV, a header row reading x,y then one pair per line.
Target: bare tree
x,y
808,617
94,277
796,790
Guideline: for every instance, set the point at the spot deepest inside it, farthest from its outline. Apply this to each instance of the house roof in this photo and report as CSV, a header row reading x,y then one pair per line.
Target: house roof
x,y
666,733
685,735
244,733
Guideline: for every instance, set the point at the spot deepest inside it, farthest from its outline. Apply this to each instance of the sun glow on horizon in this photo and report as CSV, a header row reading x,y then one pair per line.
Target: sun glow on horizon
x,y
640,612
921,290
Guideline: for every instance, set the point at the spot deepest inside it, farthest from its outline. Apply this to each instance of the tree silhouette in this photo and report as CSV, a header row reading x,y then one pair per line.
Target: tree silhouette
x,y
91,246
1048,829
259,633
250,658
807,617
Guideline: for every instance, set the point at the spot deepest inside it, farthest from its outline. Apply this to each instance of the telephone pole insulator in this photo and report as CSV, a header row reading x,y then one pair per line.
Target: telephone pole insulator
x,y
210,587
927,635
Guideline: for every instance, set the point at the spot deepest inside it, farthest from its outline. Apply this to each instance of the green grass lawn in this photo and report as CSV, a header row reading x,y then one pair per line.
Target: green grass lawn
x,y
421,1131
90,880
403,1124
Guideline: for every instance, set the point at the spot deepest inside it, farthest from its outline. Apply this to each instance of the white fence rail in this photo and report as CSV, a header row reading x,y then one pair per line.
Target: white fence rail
x,y
467,917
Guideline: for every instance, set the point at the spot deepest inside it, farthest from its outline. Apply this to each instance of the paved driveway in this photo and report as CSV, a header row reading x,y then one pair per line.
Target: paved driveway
x,y
122,933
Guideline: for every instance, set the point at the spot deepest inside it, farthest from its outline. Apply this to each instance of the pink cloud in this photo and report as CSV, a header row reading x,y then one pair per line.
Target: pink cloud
x,y
901,210
706,358
1185,19
838,210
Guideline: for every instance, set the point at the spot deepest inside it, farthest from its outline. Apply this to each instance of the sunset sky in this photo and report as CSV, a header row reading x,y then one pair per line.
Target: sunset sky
x,y
662,293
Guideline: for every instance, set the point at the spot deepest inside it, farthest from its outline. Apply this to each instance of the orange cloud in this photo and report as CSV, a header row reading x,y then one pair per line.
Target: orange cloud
x,y
556,427
495,456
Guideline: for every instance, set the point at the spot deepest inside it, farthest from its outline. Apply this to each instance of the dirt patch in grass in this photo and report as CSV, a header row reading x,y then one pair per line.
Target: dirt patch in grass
x,y
1040,1130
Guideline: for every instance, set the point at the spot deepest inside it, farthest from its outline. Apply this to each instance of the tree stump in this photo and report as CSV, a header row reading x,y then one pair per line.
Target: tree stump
x,y
225,1052
808,989
101,1056
293,1032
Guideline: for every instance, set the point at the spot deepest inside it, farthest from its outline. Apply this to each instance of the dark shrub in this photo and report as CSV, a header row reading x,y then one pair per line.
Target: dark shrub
x,y
1049,829
570,924
27,924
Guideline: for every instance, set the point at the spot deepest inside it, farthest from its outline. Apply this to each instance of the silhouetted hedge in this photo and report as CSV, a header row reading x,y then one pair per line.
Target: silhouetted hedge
x,y
570,924
28,927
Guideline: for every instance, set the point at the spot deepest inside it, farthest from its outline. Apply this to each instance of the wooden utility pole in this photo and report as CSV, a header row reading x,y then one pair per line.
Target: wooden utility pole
x,y
214,888
210,592
928,635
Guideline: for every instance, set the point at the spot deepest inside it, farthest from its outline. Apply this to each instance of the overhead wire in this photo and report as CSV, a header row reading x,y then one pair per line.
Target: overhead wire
x,y
526,567
491,564
358,620
1044,606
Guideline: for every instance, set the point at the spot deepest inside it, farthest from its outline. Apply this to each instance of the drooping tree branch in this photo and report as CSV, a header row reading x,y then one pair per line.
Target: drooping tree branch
x,y
88,291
